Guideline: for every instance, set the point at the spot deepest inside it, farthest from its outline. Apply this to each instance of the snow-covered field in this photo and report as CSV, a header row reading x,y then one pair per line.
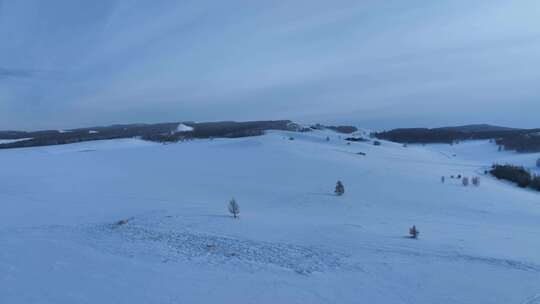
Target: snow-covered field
x,y
295,241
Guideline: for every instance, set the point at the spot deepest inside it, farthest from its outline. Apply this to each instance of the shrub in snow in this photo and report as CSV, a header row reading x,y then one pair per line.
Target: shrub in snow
x,y
327,138
234,209
476,181
413,232
340,189
376,143
465,181
442,179
122,222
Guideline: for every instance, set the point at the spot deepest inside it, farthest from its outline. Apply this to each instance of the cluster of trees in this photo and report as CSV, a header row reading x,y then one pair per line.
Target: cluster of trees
x,y
475,180
226,129
524,143
519,140
339,129
356,139
516,174
55,137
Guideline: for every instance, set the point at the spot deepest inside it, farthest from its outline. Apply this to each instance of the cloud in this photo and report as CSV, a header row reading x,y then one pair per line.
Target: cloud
x,y
16,73
99,62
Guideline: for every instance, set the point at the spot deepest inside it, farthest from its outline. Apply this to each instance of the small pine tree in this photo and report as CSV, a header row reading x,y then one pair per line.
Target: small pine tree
x,y
234,209
340,189
413,232
465,181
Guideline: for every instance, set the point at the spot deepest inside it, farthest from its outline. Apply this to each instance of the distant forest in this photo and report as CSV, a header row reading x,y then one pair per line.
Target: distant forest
x,y
520,140
161,132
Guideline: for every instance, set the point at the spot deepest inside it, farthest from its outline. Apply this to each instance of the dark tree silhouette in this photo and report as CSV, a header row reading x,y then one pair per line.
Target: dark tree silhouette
x,y
413,232
340,189
234,209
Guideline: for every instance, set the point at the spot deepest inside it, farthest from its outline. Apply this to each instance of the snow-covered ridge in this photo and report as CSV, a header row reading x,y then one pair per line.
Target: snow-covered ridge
x,y
8,141
184,128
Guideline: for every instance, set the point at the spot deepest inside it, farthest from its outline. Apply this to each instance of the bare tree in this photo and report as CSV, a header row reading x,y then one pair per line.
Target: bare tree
x,y
340,189
234,209
476,181
465,181
413,232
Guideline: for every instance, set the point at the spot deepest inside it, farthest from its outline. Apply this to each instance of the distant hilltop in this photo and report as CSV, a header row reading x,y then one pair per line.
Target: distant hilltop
x,y
160,132
520,140
477,128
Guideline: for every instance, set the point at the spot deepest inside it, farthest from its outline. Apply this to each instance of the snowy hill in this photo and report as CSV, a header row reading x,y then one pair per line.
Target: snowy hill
x,y
295,241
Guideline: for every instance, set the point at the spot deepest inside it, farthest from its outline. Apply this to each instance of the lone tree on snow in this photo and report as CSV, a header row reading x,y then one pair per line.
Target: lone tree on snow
x,y
340,190
413,232
234,209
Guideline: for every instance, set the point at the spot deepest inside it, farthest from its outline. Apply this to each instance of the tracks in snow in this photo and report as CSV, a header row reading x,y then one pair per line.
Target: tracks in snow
x,y
168,245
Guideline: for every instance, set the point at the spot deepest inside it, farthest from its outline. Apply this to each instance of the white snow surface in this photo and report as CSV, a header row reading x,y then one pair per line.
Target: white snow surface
x,y
295,242
183,128
9,141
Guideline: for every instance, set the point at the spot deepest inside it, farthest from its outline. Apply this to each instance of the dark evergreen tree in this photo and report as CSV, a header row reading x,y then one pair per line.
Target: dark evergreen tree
x,y
340,189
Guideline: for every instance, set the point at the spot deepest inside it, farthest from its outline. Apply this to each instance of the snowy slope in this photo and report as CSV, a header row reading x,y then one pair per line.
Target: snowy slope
x,y
183,128
295,242
9,141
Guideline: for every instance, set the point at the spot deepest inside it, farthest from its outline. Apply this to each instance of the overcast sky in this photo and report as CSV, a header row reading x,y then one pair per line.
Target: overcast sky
x,y
71,63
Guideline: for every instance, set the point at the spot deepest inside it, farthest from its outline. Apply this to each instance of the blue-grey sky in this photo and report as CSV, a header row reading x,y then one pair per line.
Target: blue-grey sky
x,y
380,63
